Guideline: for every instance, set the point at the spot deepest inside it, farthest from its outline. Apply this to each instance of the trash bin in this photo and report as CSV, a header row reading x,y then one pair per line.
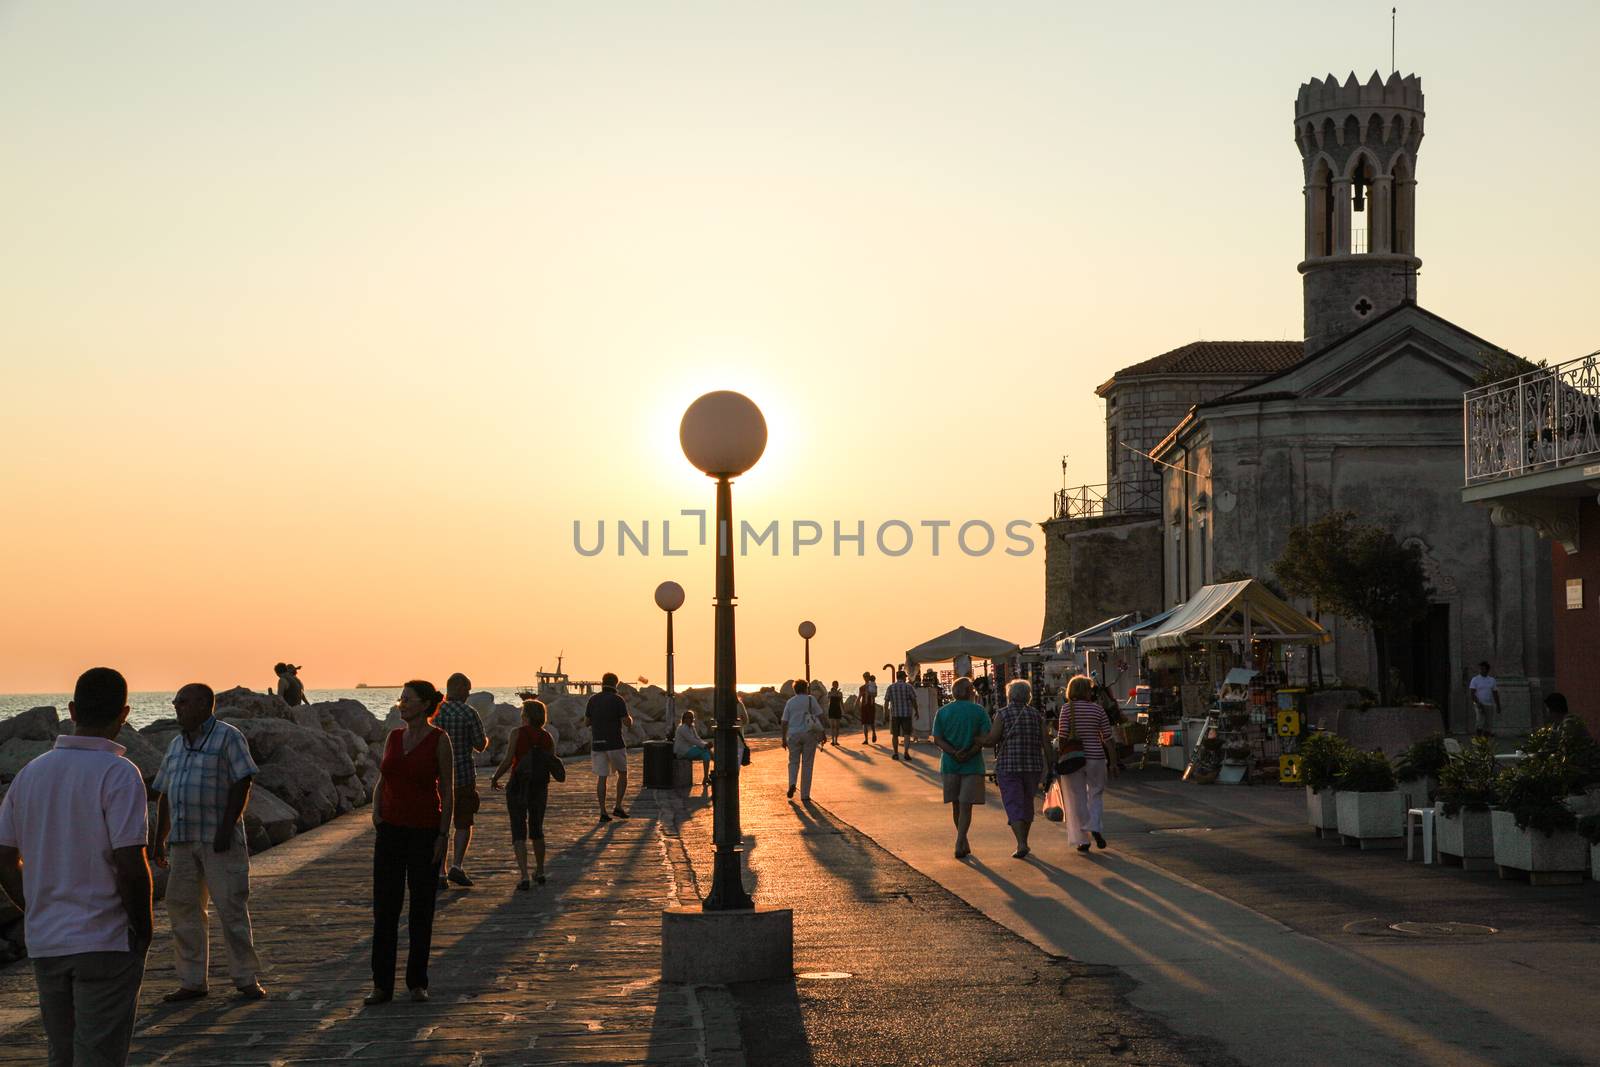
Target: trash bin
x,y
658,764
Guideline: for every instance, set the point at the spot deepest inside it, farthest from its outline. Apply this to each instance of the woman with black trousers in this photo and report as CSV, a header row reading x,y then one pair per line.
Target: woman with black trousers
x,y
411,810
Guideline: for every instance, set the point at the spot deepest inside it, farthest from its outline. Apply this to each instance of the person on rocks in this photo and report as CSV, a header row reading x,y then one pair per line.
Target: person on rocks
x,y
411,812
460,720
1083,791
901,701
802,732
686,744
835,711
605,714
1019,761
204,783
867,704
960,729
531,760
73,828
290,687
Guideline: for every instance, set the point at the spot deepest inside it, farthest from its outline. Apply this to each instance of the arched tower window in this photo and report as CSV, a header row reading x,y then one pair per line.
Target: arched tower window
x,y
1319,211
1402,208
1362,196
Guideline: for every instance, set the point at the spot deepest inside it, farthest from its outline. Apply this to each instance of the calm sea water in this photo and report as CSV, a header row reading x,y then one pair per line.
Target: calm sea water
x,y
148,707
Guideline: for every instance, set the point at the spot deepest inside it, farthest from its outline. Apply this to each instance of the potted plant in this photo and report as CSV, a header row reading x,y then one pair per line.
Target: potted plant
x,y
1535,829
1589,830
1417,770
1371,811
1467,790
1322,759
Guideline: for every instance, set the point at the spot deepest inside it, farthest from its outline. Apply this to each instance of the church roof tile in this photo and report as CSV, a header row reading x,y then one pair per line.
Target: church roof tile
x,y
1220,357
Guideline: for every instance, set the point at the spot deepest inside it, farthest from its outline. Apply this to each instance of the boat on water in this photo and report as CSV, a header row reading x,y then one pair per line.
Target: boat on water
x,y
555,684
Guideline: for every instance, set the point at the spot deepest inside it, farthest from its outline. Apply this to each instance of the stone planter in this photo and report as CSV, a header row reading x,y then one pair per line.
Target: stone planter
x,y
1321,812
1559,859
1466,841
1419,792
1372,820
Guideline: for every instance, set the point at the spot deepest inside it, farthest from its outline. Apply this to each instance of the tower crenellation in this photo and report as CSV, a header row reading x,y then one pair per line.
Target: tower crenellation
x,y
1358,147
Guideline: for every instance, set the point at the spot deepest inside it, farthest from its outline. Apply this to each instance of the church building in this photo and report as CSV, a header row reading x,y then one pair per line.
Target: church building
x,y
1365,415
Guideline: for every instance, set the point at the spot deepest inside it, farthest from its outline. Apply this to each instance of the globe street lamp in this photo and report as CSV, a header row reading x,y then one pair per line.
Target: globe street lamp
x,y
669,598
808,630
724,434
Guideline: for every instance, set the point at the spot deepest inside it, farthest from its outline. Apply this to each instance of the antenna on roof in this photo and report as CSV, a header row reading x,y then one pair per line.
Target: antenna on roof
x,y
1063,470
1392,66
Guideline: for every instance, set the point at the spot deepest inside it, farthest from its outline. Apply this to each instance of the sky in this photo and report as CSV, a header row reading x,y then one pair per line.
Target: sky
x,y
321,325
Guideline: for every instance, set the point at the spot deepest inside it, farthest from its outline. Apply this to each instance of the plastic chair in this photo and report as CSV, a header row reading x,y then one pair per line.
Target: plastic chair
x,y
1452,747
1425,819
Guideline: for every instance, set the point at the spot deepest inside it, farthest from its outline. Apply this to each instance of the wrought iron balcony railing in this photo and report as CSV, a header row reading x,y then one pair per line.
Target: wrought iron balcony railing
x,y
1118,498
1537,421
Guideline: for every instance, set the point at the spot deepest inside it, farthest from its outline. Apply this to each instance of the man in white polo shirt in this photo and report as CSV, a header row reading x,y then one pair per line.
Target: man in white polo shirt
x,y
75,818
1485,700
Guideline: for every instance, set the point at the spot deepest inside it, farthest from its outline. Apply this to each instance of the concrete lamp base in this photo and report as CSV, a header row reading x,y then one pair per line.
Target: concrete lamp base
x,y
718,947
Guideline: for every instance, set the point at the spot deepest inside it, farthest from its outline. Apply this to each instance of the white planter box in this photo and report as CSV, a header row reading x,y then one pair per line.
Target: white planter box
x,y
1373,820
1469,837
1528,850
1320,810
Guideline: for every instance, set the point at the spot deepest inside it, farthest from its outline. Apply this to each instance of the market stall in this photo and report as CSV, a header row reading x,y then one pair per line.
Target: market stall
x,y
959,647
1093,652
1228,650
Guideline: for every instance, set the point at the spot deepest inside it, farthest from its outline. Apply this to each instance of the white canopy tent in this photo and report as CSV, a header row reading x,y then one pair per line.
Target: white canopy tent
x,y
1230,611
960,642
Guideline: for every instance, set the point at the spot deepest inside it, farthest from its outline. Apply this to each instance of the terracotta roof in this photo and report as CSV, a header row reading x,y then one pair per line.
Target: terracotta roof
x,y
1220,357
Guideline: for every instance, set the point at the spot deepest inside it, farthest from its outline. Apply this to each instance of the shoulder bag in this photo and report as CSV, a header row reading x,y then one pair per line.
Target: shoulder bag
x,y
1070,758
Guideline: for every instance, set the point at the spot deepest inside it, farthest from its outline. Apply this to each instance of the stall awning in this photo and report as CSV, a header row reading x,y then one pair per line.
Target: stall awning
x,y
1129,638
1098,635
1232,611
961,642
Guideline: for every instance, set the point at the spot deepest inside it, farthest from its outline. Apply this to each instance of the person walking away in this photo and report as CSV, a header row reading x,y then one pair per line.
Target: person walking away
x,y
1019,762
1084,790
204,784
835,711
461,723
901,701
686,744
606,713
1485,700
867,705
960,729
802,732
290,687
531,759
72,859
411,814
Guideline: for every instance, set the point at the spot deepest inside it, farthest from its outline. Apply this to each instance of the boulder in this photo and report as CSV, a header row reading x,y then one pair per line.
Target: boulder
x,y
268,819
18,752
35,724
303,785
242,703
351,715
308,769
141,751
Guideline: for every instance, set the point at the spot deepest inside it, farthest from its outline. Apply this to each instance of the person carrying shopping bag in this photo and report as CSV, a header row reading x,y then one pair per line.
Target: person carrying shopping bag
x,y
1083,740
802,732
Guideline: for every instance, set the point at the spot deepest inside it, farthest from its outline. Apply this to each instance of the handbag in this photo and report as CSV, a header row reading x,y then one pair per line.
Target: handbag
x,y
1070,758
814,730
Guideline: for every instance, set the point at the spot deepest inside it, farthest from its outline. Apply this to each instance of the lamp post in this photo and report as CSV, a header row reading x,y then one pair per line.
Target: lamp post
x,y
808,630
723,434
669,598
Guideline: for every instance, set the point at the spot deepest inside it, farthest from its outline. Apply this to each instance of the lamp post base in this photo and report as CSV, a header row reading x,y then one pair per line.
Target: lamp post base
x,y
719,947
727,882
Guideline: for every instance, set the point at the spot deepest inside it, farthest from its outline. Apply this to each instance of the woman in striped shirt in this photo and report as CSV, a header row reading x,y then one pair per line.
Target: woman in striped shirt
x,y
1084,790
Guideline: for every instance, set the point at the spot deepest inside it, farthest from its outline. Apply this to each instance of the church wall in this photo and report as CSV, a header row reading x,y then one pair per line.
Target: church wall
x,y
1577,630
1100,567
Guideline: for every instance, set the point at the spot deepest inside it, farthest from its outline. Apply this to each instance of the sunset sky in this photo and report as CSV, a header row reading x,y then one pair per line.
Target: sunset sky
x,y
322,324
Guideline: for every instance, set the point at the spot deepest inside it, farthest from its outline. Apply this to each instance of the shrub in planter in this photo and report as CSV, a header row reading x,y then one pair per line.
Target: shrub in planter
x,y
1470,781
1567,748
1322,757
1366,772
1425,759
1535,794
1369,807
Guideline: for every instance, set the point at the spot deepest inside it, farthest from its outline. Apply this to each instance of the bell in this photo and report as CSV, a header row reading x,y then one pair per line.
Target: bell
x,y
1359,203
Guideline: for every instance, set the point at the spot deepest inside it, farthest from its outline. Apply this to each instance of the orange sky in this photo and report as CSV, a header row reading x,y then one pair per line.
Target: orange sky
x,y
321,327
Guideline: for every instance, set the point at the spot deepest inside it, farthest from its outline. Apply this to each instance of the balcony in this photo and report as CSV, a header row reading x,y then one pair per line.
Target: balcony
x,y
1099,501
1545,421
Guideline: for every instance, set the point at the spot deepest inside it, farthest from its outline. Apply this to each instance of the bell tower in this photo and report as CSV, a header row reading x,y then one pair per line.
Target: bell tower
x,y
1358,144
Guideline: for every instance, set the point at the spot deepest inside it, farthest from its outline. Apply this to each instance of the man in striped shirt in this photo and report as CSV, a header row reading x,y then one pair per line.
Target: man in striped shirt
x,y
460,720
901,700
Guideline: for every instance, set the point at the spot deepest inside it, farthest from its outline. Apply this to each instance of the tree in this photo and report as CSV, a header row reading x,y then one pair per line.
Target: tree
x,y
1358,571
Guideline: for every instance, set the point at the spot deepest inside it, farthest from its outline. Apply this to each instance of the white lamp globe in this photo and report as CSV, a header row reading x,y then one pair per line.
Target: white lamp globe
x,y
669,596
723,433
808,630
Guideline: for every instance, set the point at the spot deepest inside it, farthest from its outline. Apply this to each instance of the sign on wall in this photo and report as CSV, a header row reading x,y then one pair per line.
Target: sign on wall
x,y
1574,594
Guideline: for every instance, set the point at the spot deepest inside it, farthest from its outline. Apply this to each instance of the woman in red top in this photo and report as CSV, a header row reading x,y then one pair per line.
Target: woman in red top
x,y
411,811
531,759
1083,790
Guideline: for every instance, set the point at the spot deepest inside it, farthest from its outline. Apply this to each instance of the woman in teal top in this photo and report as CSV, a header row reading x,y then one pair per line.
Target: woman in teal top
x,y
959,729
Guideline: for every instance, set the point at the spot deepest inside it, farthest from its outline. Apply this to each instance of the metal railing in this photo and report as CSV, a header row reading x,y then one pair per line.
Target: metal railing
x,y
1119,498
1536,421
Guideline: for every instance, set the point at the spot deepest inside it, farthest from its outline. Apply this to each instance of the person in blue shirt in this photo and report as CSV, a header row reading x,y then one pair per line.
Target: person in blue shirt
x,y
960,729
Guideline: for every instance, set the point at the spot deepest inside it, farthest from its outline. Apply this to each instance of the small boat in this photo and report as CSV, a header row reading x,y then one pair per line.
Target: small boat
x,y
555,684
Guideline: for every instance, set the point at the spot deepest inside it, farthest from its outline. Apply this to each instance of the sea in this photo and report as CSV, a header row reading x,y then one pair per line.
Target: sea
x,y
146,708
